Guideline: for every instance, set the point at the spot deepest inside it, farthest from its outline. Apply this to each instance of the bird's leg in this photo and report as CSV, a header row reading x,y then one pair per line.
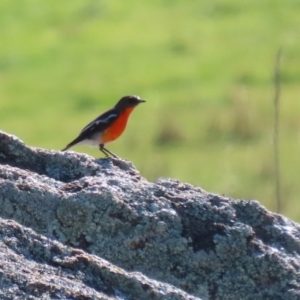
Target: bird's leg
x,y
106,152
101,148
112,154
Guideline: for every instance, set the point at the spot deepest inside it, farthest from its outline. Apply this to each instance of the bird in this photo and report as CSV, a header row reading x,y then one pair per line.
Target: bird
x,y
107,127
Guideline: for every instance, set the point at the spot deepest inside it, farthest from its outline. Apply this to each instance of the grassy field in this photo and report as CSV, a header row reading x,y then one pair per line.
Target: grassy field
x,y
205,68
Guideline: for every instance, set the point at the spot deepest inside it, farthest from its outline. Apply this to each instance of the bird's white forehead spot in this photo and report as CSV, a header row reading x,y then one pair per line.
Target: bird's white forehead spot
x,y
137,97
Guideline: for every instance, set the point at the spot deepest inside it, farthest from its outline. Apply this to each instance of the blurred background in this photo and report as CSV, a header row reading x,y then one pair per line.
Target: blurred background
x,y
205,68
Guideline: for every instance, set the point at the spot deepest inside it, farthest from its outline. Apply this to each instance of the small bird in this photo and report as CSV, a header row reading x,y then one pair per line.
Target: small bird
x,y
108,126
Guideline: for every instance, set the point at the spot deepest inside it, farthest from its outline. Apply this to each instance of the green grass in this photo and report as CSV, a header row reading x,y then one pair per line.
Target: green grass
x,y
205,67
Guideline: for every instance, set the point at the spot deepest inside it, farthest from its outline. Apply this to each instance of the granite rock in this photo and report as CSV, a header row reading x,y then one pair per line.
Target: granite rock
x,y
133,239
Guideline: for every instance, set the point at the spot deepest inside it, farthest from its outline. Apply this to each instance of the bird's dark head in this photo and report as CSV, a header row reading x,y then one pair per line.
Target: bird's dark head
x,y
129,101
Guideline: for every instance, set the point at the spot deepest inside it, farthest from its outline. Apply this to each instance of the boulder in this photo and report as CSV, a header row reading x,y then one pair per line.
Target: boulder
x,y
75,227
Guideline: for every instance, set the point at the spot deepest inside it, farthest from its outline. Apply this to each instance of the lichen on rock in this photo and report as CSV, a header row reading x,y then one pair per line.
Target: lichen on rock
x,y
137,239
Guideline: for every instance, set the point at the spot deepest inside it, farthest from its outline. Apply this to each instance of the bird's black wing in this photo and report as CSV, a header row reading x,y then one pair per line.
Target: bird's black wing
x,y
101,123
96,126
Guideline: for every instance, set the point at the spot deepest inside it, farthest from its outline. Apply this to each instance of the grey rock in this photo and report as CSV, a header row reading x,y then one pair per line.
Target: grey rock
x,y
192,244
36,267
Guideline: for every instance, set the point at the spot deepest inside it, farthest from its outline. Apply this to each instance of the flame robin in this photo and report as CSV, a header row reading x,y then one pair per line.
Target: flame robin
x,y
108,126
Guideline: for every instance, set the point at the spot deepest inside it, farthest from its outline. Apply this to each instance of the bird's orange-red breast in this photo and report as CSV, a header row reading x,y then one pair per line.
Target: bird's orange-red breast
x,y
108,126
117,128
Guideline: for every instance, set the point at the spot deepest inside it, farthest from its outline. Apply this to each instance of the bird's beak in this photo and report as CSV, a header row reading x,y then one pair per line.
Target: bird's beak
x,y
141,101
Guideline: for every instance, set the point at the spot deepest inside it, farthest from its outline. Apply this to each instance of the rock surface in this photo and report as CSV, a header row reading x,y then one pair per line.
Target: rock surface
x,y
72,227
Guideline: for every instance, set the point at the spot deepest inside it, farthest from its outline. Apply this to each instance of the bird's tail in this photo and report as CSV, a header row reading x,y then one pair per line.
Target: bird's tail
x,y
66,148
76,141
